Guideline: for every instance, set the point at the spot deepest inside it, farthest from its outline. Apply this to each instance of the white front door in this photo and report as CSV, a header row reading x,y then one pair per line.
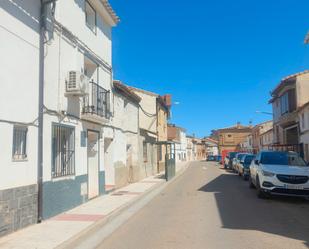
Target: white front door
x,y
93,164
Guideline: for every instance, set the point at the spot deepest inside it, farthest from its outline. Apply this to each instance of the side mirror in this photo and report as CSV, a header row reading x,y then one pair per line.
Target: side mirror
x,y
256,162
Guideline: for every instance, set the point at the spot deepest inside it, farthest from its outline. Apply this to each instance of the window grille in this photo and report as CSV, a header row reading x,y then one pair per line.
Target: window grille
x,y
63,151
20,142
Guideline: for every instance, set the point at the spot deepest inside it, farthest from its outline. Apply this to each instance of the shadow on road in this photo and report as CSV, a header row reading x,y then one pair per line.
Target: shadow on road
x,y
240,208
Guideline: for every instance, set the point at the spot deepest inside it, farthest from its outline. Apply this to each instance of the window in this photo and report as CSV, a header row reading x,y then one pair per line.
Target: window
x,y
145,156
282,158
288,101
303,120
91,18
63,151
20,142
284,103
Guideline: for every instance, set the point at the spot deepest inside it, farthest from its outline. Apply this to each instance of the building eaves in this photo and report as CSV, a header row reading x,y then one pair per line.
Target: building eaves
x,y
126,91
211,140
143,91
266,132
110,10
285,81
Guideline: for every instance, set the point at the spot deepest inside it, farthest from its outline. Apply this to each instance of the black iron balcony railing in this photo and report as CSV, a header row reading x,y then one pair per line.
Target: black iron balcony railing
x,y
97,102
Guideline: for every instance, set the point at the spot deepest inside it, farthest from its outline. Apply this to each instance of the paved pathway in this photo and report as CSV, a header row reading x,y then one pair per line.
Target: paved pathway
x,y
57,230
207,207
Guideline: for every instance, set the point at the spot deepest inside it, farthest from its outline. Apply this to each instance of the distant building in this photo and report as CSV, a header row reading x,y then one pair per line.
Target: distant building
x,y
191,148
211,147
200,149
257,138
231,138
178,135
247,144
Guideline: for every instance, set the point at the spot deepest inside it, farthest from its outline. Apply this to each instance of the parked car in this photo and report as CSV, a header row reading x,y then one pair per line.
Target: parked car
x,y
211,158
244,165
236,161
228,161
279,173
219,159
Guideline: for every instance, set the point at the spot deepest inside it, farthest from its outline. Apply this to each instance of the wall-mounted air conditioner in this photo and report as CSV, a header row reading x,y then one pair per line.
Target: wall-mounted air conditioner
x,y
76,84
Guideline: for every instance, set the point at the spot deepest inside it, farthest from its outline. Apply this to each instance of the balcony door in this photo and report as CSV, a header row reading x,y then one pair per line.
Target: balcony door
x,y
93,163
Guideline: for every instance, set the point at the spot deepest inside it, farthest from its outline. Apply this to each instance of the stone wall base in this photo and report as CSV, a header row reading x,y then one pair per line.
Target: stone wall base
x,y
18,208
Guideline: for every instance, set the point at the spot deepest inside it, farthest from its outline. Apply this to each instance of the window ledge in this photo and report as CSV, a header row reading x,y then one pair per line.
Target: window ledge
x,y
62,178
19,160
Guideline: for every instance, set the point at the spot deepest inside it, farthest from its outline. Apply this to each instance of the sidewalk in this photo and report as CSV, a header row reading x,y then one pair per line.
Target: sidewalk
x,y
57,230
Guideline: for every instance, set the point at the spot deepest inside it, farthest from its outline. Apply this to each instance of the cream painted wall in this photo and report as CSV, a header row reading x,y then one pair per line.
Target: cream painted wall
x,y
302,92
148,103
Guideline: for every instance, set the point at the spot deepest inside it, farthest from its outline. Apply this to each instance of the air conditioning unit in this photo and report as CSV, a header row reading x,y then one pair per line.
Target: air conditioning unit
x,y
76,84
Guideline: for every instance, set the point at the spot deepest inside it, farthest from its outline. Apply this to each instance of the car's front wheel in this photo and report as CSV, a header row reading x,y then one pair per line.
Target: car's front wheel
x,y
260,193
244,177
251,185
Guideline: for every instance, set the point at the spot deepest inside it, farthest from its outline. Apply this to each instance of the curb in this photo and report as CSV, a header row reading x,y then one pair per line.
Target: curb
x,y
91,233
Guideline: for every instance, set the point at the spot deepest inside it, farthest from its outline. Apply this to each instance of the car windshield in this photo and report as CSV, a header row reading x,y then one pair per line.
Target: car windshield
x,y
248,159
282,158
239,156
232,155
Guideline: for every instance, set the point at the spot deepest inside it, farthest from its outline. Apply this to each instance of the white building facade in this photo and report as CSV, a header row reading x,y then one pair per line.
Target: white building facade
x,y
78,105
19,95
181,147
123,166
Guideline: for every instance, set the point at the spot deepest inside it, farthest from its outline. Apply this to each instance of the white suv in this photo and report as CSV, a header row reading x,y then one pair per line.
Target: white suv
x,y
279,173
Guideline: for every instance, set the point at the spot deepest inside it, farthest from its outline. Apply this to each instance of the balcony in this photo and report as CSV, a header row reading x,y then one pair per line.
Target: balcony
x,y
96,104
288,119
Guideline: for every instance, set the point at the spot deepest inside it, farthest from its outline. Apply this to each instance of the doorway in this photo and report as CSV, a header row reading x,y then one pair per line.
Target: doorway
x,y
93,163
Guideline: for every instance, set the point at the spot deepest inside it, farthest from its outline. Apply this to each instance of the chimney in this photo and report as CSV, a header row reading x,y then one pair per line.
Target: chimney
x,y
167,98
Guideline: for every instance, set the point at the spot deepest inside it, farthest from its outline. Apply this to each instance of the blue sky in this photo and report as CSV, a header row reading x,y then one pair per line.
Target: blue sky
x,y
219,59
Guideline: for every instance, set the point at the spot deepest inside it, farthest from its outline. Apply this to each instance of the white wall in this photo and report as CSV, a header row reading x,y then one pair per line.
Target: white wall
x,y
74,20
62,56
19,77
125,132
181,148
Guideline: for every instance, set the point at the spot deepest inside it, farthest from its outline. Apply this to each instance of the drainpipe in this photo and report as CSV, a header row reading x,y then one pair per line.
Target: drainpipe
x,y
43,13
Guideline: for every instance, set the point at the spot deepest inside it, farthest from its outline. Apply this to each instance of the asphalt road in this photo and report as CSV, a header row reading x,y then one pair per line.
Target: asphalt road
x,y
207,207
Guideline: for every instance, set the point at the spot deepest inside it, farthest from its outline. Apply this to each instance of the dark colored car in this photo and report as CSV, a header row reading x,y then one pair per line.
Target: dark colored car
x,y
230,156
219,159
244,166
211,158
